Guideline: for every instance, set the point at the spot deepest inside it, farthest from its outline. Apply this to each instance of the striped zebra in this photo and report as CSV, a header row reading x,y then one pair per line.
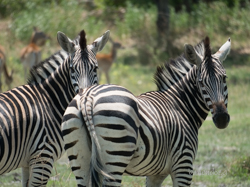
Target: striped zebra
x,y
109,132
31,115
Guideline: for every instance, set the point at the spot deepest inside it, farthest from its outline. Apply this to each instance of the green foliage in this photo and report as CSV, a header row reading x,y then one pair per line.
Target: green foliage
x,y
124,3
11,7
178,5
241,168
66,18
214,19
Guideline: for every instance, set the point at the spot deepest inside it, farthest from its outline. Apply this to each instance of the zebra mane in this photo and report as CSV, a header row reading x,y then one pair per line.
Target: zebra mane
x,y
171,72
45,68
83,40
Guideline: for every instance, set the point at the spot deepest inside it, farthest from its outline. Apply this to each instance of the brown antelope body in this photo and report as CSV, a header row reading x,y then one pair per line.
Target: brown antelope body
x,y
31,54
3,69
105,61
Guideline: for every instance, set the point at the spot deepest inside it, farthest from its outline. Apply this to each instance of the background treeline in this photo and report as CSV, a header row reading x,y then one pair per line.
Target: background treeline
x,y
155,29
10,7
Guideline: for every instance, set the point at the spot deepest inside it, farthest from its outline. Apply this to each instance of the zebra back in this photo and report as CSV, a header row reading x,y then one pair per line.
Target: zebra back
x,y
45,68
171,72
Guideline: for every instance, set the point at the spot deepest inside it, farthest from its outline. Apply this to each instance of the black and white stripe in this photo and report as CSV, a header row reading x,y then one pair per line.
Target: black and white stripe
x,y
109,132
31,114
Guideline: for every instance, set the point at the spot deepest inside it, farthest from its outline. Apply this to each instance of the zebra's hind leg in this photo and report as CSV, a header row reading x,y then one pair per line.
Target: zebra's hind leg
x,y
116,149
77,143
182,178
25,176
79,156
40,169
155,181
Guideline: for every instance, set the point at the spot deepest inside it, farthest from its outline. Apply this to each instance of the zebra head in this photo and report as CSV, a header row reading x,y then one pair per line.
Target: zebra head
x,y
211,78
83,63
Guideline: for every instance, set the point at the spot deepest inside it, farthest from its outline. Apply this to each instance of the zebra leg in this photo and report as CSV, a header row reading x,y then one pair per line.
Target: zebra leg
x,y
155,181
182,177
77,143
40,169
80,154
113,155
25,176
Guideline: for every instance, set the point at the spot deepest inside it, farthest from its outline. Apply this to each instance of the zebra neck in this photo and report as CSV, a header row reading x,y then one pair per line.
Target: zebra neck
x,y
58,90
188,93
44,69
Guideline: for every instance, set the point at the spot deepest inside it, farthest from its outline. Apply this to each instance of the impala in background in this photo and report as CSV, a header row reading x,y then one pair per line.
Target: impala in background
x,y
105,61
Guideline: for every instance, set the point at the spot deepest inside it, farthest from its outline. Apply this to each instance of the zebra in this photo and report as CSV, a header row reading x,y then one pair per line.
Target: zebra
x,y
108,132
31,115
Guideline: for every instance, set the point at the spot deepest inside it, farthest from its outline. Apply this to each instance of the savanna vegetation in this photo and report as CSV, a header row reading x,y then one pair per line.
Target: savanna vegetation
x,y
223,157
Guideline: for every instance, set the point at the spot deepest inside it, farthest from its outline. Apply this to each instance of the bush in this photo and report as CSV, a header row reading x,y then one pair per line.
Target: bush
x,y
68,18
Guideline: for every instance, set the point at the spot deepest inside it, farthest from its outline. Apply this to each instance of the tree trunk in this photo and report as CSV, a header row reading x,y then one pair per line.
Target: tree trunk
x,y
162,22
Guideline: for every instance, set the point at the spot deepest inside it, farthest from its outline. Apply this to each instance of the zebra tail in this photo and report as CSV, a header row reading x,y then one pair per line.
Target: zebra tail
x,y
97,169
96,166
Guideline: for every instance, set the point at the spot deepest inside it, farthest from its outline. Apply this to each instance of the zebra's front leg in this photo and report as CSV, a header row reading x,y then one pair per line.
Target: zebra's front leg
x,y
155,181
40,170
25,176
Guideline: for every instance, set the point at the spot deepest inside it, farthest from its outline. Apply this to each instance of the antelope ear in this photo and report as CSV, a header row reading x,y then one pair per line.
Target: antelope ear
x,y
224,50
66,44
191,55
100,42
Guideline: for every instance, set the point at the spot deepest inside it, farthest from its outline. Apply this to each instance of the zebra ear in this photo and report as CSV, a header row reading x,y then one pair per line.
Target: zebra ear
x,y
224,50
100,42
66,44
191,55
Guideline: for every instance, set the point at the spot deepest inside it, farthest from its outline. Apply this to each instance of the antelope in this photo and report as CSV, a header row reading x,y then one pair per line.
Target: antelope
x,y
105,61
31,54
3,68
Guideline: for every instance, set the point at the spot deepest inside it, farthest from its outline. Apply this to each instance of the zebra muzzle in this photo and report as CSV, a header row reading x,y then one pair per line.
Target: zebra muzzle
x,y
221,117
